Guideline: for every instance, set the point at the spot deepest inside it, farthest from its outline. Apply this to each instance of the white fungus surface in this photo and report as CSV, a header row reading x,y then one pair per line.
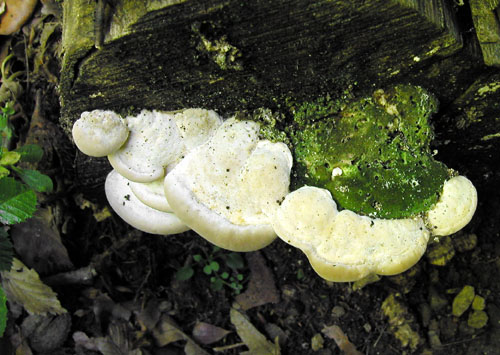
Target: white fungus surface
x,y
137,214
455,207
228,189
344,246
99,133
154,142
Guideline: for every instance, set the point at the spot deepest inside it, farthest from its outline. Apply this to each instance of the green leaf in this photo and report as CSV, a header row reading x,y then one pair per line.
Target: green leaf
x,y
239,277
197,258
3,311
224,275
6,251
235,261
22,285
8,110
214,265
17,202
9,158
4,172
184,273
30,153
207,269
35,179
217,285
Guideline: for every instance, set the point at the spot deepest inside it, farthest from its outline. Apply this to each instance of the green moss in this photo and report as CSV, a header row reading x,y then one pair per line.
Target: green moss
x,y
379,144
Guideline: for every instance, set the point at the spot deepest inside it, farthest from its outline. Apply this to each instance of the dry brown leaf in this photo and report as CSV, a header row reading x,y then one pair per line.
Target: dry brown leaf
x,y
166,332
206,333
22,285
261,288
39,245
256,341
336,333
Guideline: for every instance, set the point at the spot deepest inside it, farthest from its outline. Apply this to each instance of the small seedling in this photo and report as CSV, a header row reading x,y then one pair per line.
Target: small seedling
x,y
224,269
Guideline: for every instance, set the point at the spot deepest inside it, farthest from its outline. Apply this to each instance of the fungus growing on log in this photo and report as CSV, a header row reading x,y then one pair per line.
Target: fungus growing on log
x,y
344,246
228,189
371,157
147,219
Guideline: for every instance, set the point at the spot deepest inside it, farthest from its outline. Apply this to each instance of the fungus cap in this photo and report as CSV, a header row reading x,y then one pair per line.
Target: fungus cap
x,y
134,212
455,207
196,125
154,142
151,194
344,246
228,189
99,133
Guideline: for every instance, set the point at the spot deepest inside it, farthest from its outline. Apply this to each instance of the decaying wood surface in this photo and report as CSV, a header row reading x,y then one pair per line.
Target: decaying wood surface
x,y
231,55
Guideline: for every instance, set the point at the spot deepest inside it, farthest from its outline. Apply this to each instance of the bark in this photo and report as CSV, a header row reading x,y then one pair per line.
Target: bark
x,y
231,55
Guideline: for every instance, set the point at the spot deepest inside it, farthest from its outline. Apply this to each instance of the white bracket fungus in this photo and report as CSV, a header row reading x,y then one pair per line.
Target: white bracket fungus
x,y
126,204
151,194
228,189
455,207
159,139
99,133
154,142
344,246
232,189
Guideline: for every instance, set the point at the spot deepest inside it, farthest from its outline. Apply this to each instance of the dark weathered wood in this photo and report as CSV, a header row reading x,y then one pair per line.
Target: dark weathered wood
x,y
485,14
232,55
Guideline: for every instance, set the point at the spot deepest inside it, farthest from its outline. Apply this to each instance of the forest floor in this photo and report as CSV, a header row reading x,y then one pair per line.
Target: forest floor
x,y
128,292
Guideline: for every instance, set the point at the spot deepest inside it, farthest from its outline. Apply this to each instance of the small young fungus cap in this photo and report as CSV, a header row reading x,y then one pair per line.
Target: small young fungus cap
x,y
137,214
99,133
228,189
344,246
455,207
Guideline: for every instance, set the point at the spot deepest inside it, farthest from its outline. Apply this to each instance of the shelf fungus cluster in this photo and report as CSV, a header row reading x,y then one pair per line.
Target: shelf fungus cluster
x,y
368,194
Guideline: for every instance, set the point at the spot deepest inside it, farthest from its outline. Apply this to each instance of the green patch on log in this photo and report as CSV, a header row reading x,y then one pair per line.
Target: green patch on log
x,y
373,155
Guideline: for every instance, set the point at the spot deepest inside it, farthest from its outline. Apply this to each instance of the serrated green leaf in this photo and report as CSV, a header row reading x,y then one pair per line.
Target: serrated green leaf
x,y
3,312
9,158
184,273
35,179
17,202
30,153
6,251
22,285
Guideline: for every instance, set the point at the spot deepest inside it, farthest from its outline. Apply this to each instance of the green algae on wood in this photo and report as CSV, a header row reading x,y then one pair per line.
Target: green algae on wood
x,y
373,154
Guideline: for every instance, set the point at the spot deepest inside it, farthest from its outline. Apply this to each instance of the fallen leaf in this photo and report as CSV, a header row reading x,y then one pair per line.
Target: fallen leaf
x,y
335,332
206,333
22,285
46,333
40,246
261,288
115,343
166,332
256,341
